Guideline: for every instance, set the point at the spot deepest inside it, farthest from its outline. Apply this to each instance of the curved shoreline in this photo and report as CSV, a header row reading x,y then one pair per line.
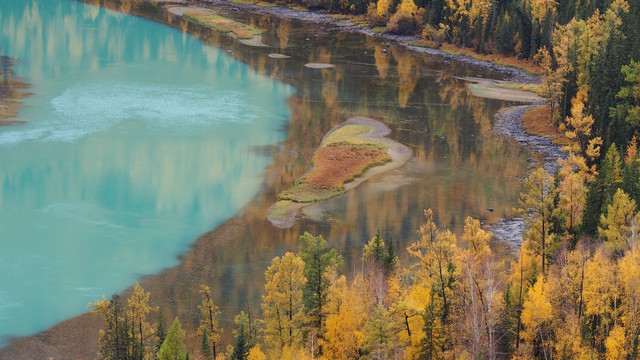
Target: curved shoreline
x,y
512,73
508,124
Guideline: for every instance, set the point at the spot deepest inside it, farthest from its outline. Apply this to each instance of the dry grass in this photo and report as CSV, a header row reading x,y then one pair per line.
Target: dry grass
x,y
280,210
537,122
525,65
342,156
349,134
335,165
244,2
298,8
339,16
223,24
265,4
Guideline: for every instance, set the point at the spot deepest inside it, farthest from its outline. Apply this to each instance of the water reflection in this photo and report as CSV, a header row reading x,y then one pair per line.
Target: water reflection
x,y
138,139
459,167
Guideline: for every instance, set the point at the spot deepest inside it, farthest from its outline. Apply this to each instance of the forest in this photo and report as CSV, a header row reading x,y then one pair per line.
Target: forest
x,y
573,289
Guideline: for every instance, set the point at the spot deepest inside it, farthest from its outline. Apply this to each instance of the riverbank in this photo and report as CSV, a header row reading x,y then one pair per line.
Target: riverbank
x,y
508,123
511,73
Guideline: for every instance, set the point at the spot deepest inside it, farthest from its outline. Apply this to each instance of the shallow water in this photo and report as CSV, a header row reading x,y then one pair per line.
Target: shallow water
x,y
138,138
460,167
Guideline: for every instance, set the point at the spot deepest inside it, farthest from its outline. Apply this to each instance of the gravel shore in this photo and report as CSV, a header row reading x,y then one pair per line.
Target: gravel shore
x,y
511,73
508,124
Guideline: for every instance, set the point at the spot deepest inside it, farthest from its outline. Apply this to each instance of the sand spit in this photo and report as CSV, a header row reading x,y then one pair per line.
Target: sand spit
x,y
283,213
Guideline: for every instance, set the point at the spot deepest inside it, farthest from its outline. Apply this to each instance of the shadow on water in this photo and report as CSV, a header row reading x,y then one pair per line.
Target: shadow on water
x,y
459,168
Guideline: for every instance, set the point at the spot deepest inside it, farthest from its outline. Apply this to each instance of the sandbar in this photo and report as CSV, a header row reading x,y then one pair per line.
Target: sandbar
x,y
283,213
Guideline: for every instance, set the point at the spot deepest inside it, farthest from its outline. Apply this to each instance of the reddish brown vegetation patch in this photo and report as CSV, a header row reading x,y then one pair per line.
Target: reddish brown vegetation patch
x,y
537,122
335,165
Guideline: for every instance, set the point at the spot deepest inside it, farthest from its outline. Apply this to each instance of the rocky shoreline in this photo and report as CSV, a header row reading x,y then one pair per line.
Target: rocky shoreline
x,y
511,73
508,124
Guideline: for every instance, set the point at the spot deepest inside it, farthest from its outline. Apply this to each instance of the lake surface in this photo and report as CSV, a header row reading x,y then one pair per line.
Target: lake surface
x,y
138,138
173,142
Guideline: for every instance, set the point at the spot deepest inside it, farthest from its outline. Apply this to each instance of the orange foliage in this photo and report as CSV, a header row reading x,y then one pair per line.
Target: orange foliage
x,y
335,165
536,122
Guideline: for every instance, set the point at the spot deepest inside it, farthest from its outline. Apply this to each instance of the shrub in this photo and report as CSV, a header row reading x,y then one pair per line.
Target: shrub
x,y
373,17
402,23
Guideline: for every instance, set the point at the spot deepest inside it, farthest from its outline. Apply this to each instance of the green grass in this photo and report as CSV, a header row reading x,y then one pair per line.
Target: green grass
x,y
306,193
349,135
265,4
298,8
379,29
339,16
280,210
244,2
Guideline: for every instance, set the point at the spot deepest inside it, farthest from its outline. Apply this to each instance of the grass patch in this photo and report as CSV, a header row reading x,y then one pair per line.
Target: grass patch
x,y
349,134
537,122
306,193
342,156
298,8
244,2
265,4
379,29
525,65
339,16
223,24
424,44
280,210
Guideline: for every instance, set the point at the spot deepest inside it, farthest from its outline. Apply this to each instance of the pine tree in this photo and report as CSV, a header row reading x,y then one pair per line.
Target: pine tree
x,y
537,205
317,261
161,330
390,260
242,343
602,189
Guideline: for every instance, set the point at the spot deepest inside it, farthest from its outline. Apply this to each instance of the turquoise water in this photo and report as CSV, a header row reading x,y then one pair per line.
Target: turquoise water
x,y
138,138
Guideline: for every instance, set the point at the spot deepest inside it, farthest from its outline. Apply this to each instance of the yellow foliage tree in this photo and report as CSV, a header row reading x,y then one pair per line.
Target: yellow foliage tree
x,y
209,319
615,344
600,292
141,330
383,8
282,304
571,192
537,207
536,315
615,223
344,331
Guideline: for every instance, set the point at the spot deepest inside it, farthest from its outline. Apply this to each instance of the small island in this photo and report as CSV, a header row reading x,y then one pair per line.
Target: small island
x,y
349,154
